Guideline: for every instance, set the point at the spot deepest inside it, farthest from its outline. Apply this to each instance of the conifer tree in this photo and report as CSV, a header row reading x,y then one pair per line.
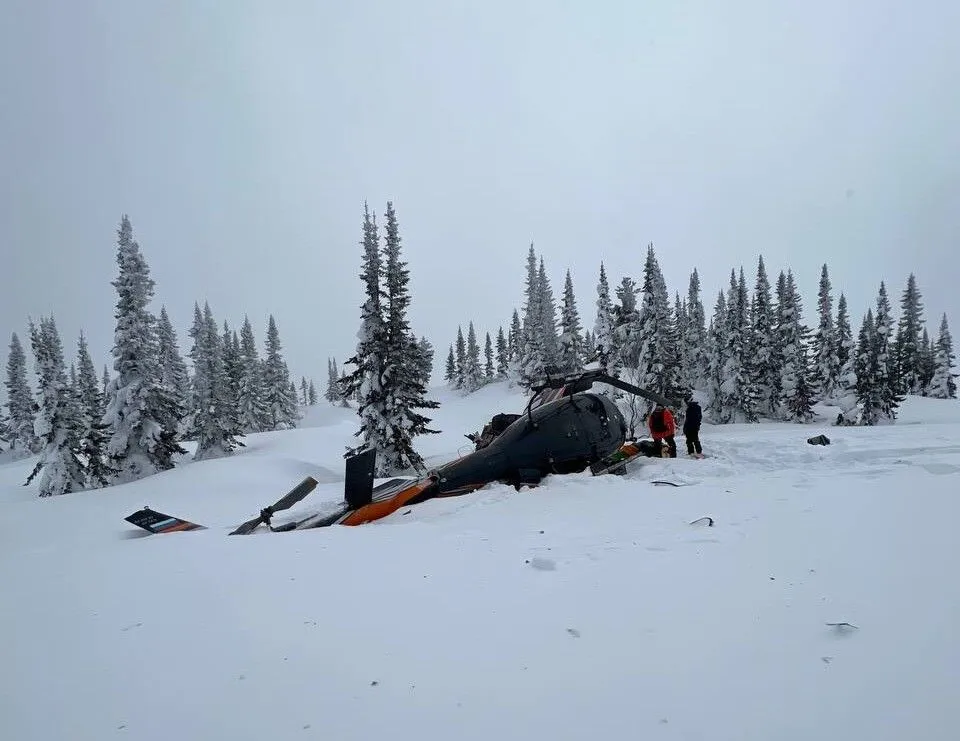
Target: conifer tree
x,y
21,438
943,384
233,381
650,347
173,370
738,392
461,378
571,353
503,355
472,372
886,371
514,340
792,335
533,351
312,394
603,324
867,368
589,346
693,338
626,336
214,422
548,318
450,375
141,414
928,363
767,360
488,358
908,358
253,415
304,399
717,359
56,424
280,402
405,374
92,444
424,363
846,389
826,363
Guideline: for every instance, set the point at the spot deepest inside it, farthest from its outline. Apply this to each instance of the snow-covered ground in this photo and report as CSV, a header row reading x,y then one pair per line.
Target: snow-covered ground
x,y
586,608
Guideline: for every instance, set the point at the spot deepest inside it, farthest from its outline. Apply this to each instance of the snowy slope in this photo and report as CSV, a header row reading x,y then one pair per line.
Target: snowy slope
x,y
586,608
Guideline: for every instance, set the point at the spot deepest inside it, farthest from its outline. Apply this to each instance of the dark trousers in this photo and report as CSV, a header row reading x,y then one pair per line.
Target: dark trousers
x,y
693,441
671,445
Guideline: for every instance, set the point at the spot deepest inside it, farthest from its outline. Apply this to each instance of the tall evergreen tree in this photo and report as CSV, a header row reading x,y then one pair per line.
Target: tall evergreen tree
x,y
767,359
92,438
424,364
867,368
365,382
886,377
908,356
141,414
603,324
928,362
488,358
695,357
215,422
251,401
717,359
571,354
846,389
312,394
472,371
943,384
450,374
534,355
625,334
21,438
738,391
798,397
826,365
404,384
173,370
503,355
461,377
653,356
548,317
514,341
304,399
56,423
280,402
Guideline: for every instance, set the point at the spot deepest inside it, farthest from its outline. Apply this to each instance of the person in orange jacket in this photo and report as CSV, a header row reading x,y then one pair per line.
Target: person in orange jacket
x,y
663,427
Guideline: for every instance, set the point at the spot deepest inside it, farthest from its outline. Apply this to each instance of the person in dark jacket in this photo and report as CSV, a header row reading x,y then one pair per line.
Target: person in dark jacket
x,y
691,428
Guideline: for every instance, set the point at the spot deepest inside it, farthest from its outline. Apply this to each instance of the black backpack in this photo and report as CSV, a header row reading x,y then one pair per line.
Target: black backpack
x,y
656,421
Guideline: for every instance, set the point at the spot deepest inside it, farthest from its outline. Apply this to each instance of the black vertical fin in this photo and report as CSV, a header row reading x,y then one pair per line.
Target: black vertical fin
x,y
358,484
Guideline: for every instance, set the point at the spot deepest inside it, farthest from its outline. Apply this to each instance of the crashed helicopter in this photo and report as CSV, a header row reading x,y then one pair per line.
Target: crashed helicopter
x,y
565,428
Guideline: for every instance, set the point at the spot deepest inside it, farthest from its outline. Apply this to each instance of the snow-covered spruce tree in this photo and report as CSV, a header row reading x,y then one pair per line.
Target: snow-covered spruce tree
x,y
92,436
365,382
767,359
304,400
826,365
589,346
404,383
603,324
654,338
514,340
214,423
279,401
21,439
233,370
887,364
738,391
450,373
141,414
571,352
717,359
488,368
625,330
681,323
908,357
252,406
503,355
460,378
943,384
928,362
845,393
424,362
867,368
548,317
312,394
56,423
532,358
793,337
694,353
173,370
472,370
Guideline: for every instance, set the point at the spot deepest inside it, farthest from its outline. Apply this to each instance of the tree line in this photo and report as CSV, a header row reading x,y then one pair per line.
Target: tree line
x,y
92,432
754,357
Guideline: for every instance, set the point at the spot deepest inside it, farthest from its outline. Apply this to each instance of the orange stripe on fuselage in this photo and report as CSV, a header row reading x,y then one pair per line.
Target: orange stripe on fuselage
x,y
378,510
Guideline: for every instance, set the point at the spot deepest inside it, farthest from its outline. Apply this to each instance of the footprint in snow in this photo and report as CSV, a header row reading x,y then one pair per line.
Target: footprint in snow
x,y
543,564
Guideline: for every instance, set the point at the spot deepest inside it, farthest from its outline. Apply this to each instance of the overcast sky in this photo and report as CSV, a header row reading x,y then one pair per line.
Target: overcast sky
x,y
242,139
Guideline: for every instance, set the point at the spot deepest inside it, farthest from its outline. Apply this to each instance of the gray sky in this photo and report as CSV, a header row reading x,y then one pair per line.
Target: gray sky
x,y
243,137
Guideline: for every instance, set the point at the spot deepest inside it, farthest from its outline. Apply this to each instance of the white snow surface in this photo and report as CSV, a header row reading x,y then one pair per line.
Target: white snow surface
x,y
585,608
